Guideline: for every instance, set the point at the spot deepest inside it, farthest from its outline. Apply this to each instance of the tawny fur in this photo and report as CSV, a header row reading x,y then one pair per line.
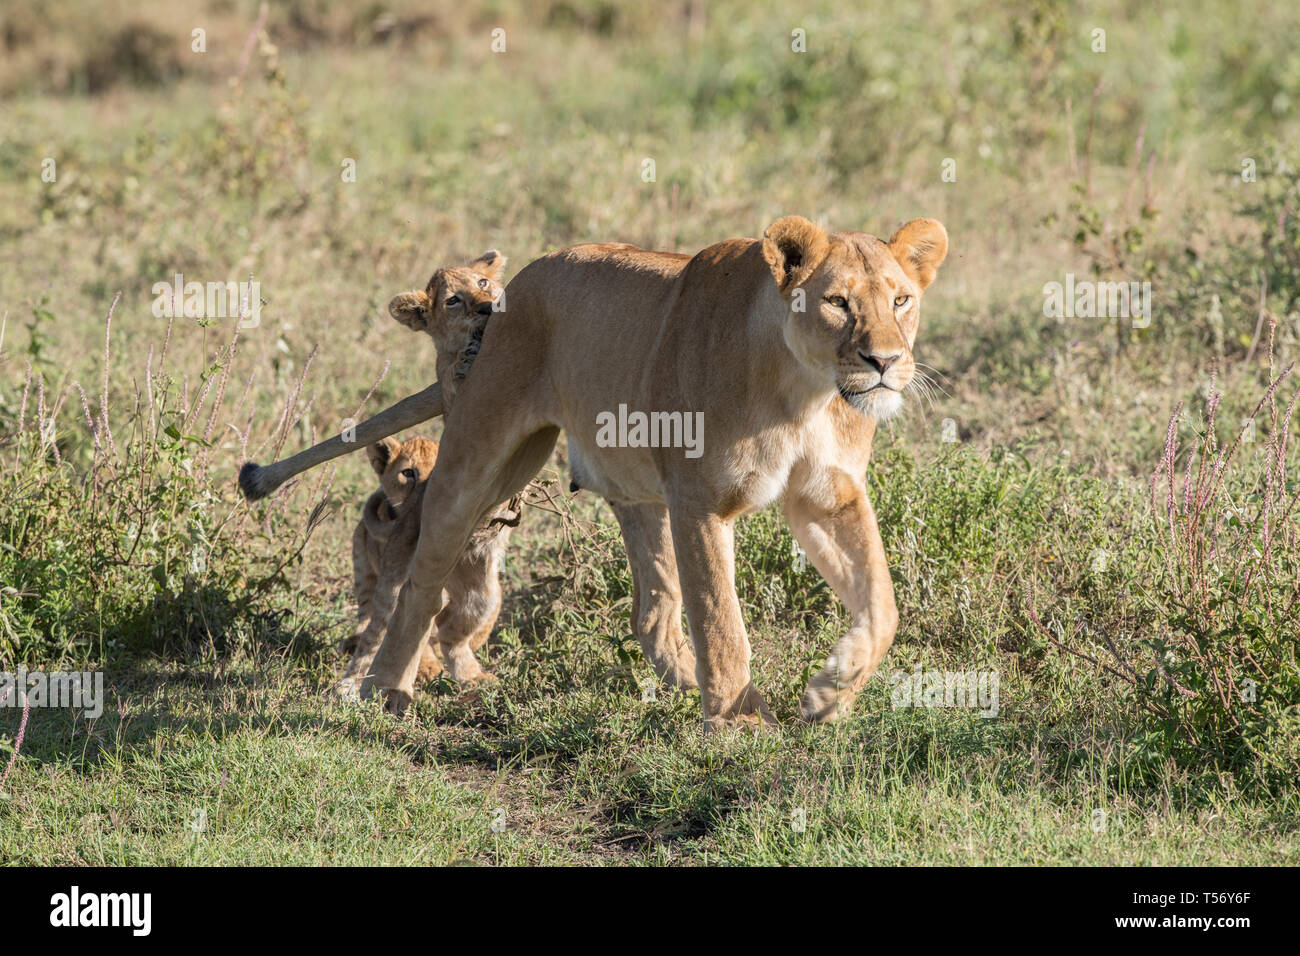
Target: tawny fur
x,y
386,536
793,347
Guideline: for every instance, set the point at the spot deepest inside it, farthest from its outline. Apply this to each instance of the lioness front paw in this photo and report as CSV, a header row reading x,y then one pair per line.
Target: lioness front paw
x,y
396,702
828,697
822,705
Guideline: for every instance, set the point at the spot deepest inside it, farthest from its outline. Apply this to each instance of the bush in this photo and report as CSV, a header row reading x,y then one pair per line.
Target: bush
x,y
1224,678
1211,679
112,538
1250,274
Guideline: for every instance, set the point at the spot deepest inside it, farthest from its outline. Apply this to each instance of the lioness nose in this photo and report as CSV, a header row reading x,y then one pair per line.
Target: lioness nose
x,y
880,363
484,308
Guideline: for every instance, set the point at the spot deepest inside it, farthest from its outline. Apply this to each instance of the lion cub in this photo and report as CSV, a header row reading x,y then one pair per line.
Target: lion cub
x,y
402,468
385,538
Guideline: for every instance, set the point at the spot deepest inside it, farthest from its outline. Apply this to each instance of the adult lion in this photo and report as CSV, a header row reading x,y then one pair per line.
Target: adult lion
x,y
792,347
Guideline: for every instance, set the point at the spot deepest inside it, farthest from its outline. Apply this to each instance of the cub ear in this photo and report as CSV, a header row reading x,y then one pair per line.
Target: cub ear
x,y
794,248
920,247
382,453
411,309
490,264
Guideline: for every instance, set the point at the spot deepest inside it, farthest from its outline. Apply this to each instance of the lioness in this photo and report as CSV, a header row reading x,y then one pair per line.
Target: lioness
x,y
386,536
792,347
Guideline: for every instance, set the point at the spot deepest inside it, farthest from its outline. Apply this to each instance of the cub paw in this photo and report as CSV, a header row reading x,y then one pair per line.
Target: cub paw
x,y
430,667
348,689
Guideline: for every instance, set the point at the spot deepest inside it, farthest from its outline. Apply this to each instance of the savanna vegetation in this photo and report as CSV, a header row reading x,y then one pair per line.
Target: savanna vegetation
x,y
1099,511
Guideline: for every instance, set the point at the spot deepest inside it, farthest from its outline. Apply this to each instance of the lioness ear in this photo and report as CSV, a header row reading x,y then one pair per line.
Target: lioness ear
x,y
794,248
381,453
411,309
489,264
920,247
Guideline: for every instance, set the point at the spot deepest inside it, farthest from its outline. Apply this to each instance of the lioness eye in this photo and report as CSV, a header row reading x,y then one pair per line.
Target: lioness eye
x,y
454,300
482,283
901,300
408,473
838,301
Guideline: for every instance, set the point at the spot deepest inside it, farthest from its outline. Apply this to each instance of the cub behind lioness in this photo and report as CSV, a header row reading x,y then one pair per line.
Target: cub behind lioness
x,y
385,537
402,469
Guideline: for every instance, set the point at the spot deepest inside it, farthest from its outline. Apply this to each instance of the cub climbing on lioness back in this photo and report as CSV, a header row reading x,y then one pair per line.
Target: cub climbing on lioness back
x,y
793,347
790,349
455,316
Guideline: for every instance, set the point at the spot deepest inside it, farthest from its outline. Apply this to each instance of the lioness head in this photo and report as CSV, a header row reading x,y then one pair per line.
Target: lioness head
x,y
855,303
454,309
402,465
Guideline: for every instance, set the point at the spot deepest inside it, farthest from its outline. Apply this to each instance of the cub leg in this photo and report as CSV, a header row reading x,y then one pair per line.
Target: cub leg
x,y
393,562
473,599
364,579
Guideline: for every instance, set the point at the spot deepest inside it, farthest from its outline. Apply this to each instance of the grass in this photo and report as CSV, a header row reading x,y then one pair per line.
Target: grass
x,y
1031,546
207,766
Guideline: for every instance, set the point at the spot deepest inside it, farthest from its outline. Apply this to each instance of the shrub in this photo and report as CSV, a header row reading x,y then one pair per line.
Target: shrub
x,y
112,538
1213,675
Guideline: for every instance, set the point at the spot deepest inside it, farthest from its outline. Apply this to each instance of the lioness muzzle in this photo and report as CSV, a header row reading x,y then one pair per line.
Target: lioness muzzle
x,y
257,481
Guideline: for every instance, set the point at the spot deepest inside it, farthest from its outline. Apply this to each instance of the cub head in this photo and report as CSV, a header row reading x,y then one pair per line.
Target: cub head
x,y
402,465
454,309
854,303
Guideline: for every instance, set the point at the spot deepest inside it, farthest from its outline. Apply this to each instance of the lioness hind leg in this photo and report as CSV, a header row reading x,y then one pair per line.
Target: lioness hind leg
x,y
836,525
705,547
656,594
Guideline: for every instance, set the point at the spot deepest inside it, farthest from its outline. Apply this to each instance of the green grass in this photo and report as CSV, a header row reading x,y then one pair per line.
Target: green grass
x,y
248,765
241,741
217,671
